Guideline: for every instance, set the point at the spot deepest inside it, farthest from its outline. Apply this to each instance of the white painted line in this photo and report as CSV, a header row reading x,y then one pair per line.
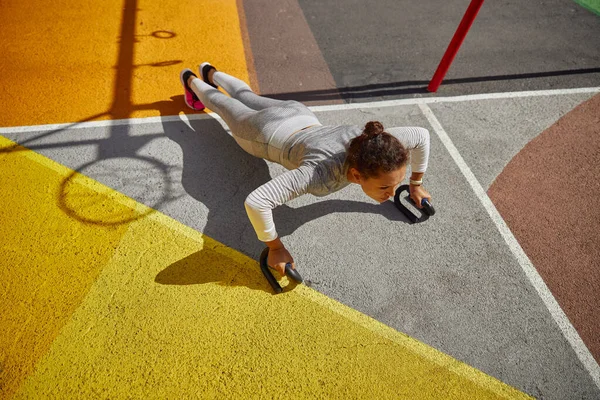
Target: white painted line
x,y
471,97
536,280
105,123
335,107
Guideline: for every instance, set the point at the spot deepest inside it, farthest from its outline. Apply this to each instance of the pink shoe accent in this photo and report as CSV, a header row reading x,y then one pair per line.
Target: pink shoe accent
x,y
192,101
190,97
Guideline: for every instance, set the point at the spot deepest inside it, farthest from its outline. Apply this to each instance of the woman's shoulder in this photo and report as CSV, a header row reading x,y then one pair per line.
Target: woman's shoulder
x,y
328,175
332,135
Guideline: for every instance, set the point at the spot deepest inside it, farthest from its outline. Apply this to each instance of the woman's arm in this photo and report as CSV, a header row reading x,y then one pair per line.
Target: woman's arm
x,y
261,202
417,141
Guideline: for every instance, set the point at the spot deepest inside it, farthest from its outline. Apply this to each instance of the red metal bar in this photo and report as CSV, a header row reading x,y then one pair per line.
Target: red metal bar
x,y
455,43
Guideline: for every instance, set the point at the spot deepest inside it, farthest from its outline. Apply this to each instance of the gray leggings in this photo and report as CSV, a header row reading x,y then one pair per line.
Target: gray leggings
x,y
258,124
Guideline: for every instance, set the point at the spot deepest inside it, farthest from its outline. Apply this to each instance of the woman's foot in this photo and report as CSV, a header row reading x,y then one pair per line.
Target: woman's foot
x,y
190,97
207,71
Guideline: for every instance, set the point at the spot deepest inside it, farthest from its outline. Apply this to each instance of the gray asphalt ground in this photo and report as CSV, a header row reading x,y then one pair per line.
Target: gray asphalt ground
x,y
390,48
451,282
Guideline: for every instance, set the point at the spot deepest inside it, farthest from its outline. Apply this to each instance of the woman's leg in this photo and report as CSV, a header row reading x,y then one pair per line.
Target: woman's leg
x,y
231,110
238,117
240,90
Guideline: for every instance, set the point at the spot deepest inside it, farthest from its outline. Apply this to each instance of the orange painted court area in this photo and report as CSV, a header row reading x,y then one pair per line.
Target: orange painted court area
x,y
89,60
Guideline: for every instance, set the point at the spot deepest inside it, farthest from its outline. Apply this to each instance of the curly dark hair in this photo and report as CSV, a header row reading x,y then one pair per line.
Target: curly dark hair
x,y
376,151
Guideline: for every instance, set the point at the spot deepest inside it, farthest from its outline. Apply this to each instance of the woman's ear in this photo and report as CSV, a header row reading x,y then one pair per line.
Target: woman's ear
x,y
356,177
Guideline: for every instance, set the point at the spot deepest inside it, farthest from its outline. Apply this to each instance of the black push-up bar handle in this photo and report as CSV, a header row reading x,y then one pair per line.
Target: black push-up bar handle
x,y
427,209
289,271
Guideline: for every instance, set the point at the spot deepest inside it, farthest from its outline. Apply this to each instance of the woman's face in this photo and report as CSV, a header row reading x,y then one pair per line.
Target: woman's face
x,y
382,187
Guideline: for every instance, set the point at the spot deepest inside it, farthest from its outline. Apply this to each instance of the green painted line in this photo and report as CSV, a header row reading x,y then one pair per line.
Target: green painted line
x,y
592,5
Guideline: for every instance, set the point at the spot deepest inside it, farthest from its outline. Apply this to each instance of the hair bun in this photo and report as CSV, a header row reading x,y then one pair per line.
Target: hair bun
x,y
373,128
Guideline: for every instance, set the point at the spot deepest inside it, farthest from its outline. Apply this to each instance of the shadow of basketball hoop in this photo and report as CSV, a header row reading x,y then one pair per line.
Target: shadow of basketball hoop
x,y
147,181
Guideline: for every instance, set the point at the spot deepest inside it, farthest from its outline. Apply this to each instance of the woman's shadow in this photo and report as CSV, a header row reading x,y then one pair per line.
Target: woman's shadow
x,y
220,175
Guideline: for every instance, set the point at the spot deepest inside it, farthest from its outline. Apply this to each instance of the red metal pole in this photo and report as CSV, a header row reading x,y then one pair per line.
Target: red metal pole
x,y
457,39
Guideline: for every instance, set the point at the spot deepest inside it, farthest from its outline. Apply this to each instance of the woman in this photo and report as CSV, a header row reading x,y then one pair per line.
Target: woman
x,y
320,159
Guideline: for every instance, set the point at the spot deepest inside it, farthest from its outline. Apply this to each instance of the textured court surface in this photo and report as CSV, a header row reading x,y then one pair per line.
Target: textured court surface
x,y
128,264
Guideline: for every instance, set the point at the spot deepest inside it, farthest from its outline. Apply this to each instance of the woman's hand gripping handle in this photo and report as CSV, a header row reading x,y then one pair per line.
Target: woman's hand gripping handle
x,y
279,256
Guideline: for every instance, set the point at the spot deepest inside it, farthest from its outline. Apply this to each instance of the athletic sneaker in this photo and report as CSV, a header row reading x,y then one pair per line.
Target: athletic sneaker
x,y
204,69
191,99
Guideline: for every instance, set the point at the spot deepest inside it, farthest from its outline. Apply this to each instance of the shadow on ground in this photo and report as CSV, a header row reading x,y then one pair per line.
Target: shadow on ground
x,y
419,87
220,175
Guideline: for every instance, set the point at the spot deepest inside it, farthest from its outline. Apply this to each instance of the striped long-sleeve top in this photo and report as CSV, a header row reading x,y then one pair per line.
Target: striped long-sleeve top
x,y
315,158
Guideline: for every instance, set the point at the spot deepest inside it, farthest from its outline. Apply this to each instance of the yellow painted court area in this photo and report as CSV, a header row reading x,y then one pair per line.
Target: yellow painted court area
x,y
71,61
49,260
153,309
